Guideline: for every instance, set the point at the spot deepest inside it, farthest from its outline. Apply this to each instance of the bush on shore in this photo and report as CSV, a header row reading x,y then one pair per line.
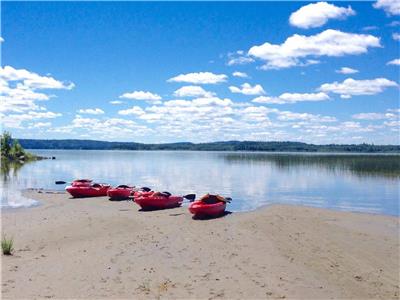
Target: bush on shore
x,y
12,150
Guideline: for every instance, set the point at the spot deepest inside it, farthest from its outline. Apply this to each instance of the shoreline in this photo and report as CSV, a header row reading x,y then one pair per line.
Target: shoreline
x,y
95,248
29,191
396,153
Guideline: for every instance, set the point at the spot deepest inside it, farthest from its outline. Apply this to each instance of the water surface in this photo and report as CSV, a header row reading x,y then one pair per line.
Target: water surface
x,y
364,183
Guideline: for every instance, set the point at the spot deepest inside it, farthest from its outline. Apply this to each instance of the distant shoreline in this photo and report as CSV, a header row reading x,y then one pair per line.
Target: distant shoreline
x,y
235,146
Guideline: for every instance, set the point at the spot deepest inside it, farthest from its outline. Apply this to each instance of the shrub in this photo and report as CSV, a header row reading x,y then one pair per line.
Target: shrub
x,y
7,245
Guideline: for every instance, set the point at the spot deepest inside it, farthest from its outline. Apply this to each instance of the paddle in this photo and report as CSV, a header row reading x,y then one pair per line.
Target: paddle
x,y
190,197
60,182
228,199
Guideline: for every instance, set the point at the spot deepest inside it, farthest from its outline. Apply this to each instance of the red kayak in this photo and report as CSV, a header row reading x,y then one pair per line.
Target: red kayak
x,y
81,182
157,200
94,190
209,206
141,193
120,192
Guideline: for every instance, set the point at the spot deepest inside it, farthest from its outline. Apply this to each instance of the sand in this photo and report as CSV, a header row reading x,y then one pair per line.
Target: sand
x,y
95,248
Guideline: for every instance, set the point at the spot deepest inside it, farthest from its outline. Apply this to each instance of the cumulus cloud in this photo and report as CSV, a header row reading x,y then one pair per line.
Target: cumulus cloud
x,y
32,80
240,74
247,89
20,89
103,128
286,98
239,58
391,7
292,116
395,62
41,124
297,48
135,110
141,95
1,40
369,116
394,24
200,78
91,111
346,70
193,91
351,87
396,36
116,102
317,14
16,120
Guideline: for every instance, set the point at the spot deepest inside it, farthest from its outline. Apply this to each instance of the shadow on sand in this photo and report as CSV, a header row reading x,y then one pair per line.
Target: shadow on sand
x,y
205,218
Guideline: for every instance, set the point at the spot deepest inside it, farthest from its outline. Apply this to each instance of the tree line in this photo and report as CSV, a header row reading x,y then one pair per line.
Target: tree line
x,y
214,146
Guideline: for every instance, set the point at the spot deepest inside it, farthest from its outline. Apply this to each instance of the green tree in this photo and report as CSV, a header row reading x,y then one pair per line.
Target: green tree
x,y
5,144
16,150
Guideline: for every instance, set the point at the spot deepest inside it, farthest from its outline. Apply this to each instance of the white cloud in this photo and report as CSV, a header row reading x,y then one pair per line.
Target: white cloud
x,y
395,62
1,40
317,14
135,110
200,78
91,111
292,98
396,36
193,91
32,80
19,89
392,123
247,89
391,7
351,87
239,58
394,24
369,116
240,74
16,120
199,102
105,128
41,124
141,95
346,70
116,102
292,116
332,43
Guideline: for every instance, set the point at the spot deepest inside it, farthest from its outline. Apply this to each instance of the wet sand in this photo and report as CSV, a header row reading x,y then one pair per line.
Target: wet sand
x,y
95,248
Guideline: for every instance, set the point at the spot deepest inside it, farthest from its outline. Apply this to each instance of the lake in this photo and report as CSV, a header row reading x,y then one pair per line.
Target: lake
x,y
356,182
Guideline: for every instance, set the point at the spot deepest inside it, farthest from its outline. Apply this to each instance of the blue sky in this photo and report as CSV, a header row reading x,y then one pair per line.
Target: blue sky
x,y
199,71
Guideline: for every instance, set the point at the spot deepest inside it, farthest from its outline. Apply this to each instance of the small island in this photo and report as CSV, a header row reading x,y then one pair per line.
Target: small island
x,y
13,152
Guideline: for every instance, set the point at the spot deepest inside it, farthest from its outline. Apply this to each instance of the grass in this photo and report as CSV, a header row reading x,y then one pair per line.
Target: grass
x,y
7,245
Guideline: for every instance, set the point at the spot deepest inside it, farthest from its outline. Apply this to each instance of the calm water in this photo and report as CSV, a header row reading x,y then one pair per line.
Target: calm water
x,y
365,183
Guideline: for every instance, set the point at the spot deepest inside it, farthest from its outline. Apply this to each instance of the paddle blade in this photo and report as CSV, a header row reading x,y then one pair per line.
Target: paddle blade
x,y
228,199
190,197
146,189
60,182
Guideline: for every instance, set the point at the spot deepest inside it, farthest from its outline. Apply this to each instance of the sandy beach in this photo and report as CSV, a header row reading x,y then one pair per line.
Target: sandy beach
x,y
95,248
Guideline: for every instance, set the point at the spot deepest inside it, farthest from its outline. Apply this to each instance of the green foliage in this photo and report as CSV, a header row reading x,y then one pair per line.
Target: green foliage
x,y
16,149
11,149
5,144
7,245
216,146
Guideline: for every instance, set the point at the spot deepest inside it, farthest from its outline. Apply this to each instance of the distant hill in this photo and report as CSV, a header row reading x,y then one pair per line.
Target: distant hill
x,y
215,146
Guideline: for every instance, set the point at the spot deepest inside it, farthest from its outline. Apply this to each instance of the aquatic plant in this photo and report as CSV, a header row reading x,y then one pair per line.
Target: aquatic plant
x,y
7,245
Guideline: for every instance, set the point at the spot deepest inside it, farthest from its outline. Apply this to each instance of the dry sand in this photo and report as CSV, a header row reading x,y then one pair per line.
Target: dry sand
x,y
94,248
